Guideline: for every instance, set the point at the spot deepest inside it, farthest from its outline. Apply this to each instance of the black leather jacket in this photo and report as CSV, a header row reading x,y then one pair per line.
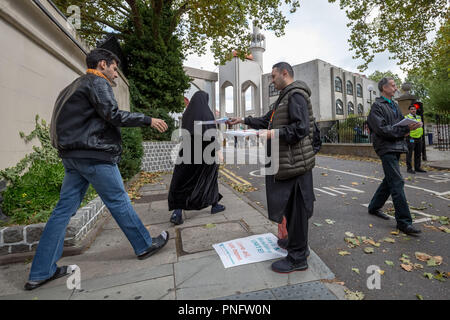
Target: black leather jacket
x,y
385,137
86,120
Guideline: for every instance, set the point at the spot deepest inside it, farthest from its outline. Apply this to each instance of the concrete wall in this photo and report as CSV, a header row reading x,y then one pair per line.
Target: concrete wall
x,y
38,59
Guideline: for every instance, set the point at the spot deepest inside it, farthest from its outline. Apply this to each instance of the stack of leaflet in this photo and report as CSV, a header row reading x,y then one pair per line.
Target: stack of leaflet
x,y
240,133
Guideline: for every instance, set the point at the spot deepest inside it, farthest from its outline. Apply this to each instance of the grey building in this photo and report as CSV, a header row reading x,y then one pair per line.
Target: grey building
x,y
336,93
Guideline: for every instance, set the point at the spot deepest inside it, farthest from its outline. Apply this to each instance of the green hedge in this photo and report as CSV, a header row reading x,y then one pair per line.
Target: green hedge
x,y
132,154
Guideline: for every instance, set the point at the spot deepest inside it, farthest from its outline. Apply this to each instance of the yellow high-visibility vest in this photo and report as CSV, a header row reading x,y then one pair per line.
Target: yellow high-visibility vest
x,y
418,133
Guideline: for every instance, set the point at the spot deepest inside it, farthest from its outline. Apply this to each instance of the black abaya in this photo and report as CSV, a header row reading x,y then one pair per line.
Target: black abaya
x,y
194,186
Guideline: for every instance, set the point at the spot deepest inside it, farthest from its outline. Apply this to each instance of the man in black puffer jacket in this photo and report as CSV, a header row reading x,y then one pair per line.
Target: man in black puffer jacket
x,y
389,143
85,130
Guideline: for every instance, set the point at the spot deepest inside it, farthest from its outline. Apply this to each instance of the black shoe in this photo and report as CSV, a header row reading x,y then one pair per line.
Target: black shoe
x,y
177,217
380,214
157,244
217,208
286,265
409,230
421,170
411,171
60,272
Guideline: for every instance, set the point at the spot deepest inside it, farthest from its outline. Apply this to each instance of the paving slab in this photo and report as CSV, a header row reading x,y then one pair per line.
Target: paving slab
x,y
156,289
201,238
206,278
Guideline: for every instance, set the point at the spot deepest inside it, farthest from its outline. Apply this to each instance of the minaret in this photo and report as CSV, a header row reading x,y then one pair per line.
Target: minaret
x,y
258,45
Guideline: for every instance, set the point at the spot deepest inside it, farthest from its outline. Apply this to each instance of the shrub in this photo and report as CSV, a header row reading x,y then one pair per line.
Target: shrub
x,y
132,154
35,182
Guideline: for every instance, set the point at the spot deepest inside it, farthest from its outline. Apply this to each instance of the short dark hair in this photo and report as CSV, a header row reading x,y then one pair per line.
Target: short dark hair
x,y
97,55
284,66
383,82
412,106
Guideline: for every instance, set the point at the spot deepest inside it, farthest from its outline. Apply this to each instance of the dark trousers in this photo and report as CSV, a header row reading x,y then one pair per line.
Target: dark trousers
x,y
297,228
414,145
392,185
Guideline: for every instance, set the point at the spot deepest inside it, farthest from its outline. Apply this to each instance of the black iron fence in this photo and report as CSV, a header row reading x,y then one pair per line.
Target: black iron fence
x,y
443,131
350,130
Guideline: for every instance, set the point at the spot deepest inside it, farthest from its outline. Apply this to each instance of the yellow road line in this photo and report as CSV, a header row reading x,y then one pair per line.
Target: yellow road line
x,y
230,177
236,176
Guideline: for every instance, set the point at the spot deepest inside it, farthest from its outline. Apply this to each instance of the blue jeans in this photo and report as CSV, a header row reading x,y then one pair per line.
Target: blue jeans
x,y
392,185
107,181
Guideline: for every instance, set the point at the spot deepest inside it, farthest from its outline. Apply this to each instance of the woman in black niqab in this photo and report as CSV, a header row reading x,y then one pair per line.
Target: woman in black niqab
x,y
194,186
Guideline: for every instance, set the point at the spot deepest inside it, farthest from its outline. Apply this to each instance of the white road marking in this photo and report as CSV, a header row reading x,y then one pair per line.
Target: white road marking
x,y
439,194
331,194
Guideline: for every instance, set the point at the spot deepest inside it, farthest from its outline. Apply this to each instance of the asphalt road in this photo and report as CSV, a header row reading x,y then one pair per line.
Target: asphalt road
x,y
343,189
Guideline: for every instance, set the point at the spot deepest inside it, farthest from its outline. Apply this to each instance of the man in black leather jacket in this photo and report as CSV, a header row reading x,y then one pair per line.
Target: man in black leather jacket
x,y
389,143
85,130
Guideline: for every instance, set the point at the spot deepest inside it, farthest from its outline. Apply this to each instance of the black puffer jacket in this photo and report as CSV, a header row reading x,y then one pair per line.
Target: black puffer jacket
x,y
385,137
86,120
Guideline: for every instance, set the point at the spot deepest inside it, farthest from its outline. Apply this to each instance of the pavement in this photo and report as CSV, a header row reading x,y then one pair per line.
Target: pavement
x,y
437,159
187,268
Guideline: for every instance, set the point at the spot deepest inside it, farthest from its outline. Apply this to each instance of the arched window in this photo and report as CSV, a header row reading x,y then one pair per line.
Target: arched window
x,y
359,91
349,88
360,109
339,107
351,108
338,84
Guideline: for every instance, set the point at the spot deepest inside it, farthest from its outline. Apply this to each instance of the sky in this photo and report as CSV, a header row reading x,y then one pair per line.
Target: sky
x,y
318,30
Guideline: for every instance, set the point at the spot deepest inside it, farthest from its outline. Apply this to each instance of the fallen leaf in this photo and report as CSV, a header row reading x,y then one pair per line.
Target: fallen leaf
x,y
317,224
350,295
395,232
390,240
324,174
389,263
210,226
370,225
405,256
404,260
442,228
428,275
349,234
417,266
344,253
407,267
354,198
356,270
381,271
439,276
438,260
354,242
368,250
422,256
355,183
419,297
329,221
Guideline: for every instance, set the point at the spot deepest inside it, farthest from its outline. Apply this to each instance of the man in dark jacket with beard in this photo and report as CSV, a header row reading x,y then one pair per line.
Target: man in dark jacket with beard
x,y
289,191
389,143
85,130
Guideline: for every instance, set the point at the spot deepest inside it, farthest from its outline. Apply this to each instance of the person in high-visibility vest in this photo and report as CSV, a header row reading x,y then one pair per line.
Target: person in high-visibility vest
x,y
414,141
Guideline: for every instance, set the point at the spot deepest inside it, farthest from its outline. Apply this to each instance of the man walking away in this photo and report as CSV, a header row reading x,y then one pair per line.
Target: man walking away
x,y
85,130
414,141
389,143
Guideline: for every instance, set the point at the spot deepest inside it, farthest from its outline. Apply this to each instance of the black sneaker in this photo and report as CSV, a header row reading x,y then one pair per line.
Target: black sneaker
x,y
410,230
421,170
217,208
157,244
177,217
411,171
286,265
379,213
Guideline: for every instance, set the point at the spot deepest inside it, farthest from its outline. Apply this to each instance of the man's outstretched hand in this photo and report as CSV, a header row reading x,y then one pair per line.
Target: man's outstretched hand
x,y
234,121
159,125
